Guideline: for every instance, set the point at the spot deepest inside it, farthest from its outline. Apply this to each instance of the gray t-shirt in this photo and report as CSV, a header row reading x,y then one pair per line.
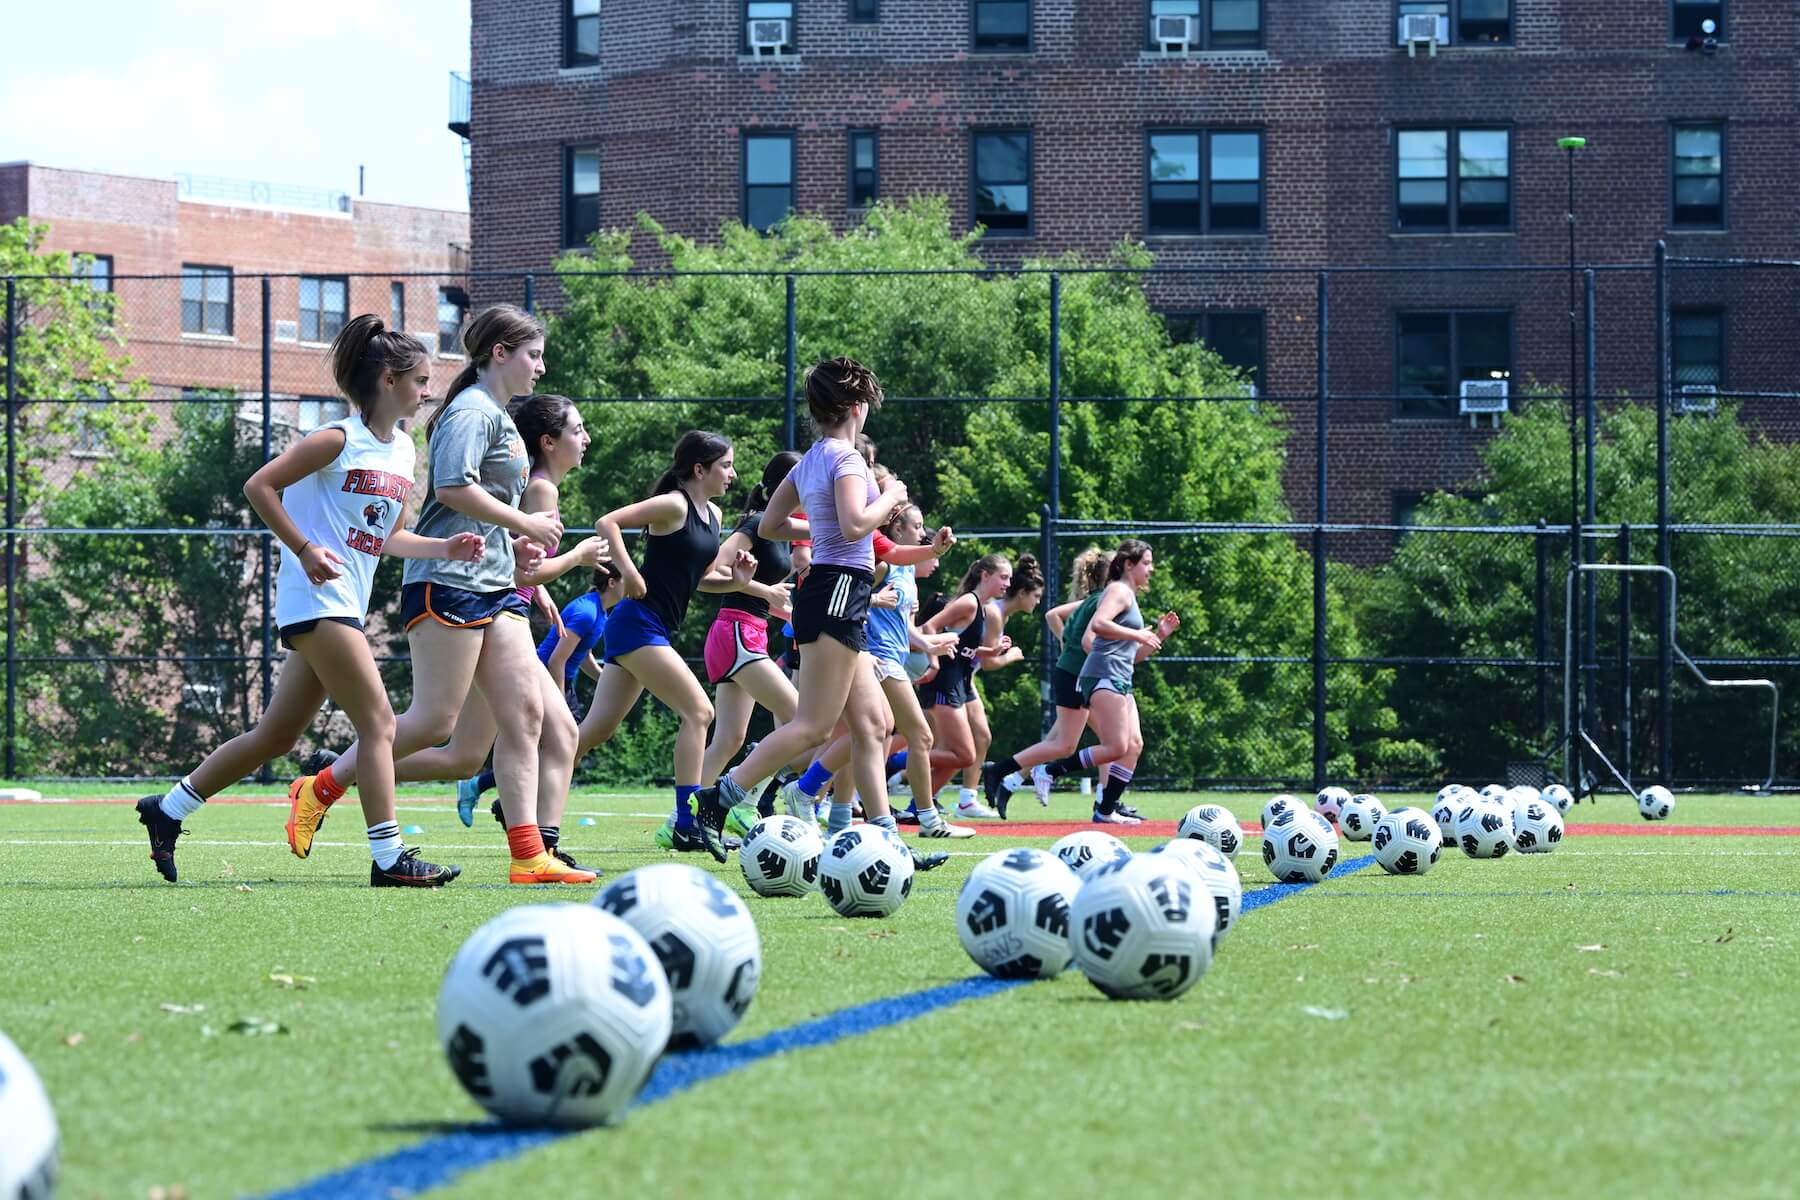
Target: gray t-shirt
x,y
474,442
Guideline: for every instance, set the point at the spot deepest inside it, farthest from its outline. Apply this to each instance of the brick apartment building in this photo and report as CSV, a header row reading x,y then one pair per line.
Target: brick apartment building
x,y
1241,136
187,260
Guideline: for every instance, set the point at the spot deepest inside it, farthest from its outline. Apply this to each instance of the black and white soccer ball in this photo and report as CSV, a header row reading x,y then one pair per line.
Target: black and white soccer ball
x,y
1215,825
1450,800
28,1137
1537,828
705,939
1330,802
1277,805
867,871
1484,827
1560,796
780,856
1087,850
1360,813
1142,929
554,1014
1655,803
1219,875
1299,847
1493,791
1407,841
1012,915
1519,797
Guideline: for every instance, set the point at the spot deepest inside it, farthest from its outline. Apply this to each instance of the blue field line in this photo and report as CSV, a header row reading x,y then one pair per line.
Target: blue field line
x,y
438,1161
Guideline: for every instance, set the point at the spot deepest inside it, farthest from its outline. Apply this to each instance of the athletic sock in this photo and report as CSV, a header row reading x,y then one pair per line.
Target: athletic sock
x,y
929,817
684,820
731,792
385,844
484,781
1081,760
814,779
840,818
1013,782
182,801
552,834
327,788
887,822
1007,767
1117,780
896,763
966,797
526,842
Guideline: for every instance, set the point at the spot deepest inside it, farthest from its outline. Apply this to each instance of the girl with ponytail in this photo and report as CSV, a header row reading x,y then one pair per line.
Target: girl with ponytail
x,y
475,669
334,499
1023,594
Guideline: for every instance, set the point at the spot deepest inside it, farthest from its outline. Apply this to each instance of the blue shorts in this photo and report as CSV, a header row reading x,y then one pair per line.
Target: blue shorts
x,y
456,608
632,625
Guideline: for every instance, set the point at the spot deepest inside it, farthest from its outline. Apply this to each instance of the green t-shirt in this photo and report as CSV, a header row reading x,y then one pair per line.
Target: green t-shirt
x,y
1073,655
474,442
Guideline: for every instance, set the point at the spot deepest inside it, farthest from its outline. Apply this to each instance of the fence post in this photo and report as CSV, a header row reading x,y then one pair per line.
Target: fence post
x,y
1541,641
1053,506
531,293
789,433
1590,620
1625,647
1322,438
1665,650
12,522
266,775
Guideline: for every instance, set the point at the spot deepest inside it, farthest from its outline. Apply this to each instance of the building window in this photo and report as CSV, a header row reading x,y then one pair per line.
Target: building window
x,y
1002,182
1212,24
1700,176
1236,337
1470,22
324,307
768,179
1690,19
1437,351
768,27
1218,192
205,299
450,310
1697,337
865,168
1482,200
396,306
315,411
865,12
1001,25
581,196
95,270
581,33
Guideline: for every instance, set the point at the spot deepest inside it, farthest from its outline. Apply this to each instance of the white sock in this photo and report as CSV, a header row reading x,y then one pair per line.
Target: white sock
x,y
385,844
965,797
840,819
929,817
182,801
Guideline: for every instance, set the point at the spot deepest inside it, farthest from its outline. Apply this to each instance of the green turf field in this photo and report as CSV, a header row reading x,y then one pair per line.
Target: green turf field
x,y
1613,1019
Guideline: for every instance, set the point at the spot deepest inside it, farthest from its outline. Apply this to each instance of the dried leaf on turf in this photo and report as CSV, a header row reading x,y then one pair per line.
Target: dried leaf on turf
x,y
1190,1026
185,1010
255,1027
1730,934
292,981
174,1191
74,1039
1605,974
226,870
1513,978
1327,1014
1595,948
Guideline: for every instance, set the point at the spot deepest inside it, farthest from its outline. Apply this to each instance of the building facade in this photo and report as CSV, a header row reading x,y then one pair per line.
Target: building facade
x,y
1250,141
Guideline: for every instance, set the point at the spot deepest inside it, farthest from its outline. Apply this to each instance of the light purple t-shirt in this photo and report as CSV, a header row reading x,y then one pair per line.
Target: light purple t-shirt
x,y
816,476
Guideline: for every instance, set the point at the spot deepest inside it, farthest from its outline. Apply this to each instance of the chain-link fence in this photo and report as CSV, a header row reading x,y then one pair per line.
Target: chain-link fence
x,y
1361,500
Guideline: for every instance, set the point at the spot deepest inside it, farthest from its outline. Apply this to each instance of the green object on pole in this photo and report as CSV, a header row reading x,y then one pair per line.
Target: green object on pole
x,y
1570,143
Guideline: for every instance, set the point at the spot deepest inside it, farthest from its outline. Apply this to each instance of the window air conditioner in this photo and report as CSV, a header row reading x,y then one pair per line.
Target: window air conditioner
x,y
1174,33
1428,28
287,331
769,35
1697,398
1482,397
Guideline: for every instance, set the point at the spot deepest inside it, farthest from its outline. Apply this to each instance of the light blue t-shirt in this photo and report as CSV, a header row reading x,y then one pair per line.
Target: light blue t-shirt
x,y
887,626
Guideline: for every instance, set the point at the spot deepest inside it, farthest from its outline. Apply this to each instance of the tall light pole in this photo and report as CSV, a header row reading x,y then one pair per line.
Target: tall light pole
x,y
1577,540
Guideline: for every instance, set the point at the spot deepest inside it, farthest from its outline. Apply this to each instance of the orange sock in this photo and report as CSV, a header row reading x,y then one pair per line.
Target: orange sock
x,y
328,790
526,842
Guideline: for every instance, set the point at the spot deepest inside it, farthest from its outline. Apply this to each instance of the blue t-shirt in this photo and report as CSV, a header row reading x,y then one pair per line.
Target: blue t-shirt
x,y
887,626
584,618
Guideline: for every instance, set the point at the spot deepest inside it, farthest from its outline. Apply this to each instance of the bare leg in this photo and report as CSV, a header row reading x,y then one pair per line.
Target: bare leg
x,y
983,738
614,695
341,659
1060,742
955,747
734,707
443,665
508,669
910,724
292,707
666,677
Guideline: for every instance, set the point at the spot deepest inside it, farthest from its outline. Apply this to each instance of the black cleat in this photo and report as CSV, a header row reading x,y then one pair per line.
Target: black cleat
x,y
409,870
710,810
906,816
997,795
1125,810
317,761
498,815
561,856
928,862
765,804
163,830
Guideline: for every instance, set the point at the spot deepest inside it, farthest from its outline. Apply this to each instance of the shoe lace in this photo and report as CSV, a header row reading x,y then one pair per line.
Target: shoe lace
x,y
408,862
560,856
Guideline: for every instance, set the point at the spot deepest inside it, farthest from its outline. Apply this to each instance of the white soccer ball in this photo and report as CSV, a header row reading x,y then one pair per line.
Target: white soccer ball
x,y
1449,802
1560,796
1407,841
28,1137
1519,797
1218,874
1280,804
1484,828
1330,802
867,871
1655,803
1087,850
1215,825
1493,791
703,936
1013,914
1357,822
554,1014
1300,847
780,856
1537,828
1142,928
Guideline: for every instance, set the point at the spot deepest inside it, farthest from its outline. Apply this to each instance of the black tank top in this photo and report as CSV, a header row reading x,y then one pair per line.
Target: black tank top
x,y
969,641
675,562
774,563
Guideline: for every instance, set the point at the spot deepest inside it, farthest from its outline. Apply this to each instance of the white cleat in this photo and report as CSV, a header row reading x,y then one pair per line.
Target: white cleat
x,y
1040,783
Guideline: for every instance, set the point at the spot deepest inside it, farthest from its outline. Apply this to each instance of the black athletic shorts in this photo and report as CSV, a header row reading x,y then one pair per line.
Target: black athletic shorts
x,y
833,602
1065,689
951,687
288,632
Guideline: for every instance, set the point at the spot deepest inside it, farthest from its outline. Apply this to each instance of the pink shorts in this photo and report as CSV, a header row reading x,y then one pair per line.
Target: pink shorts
x,y
736,640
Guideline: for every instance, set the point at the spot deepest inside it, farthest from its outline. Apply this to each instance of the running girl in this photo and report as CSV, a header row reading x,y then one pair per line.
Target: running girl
x,y
1023,595
950,689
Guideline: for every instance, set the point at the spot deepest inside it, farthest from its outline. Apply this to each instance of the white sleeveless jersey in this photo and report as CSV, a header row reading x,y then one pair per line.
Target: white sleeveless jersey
x,y
350,507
